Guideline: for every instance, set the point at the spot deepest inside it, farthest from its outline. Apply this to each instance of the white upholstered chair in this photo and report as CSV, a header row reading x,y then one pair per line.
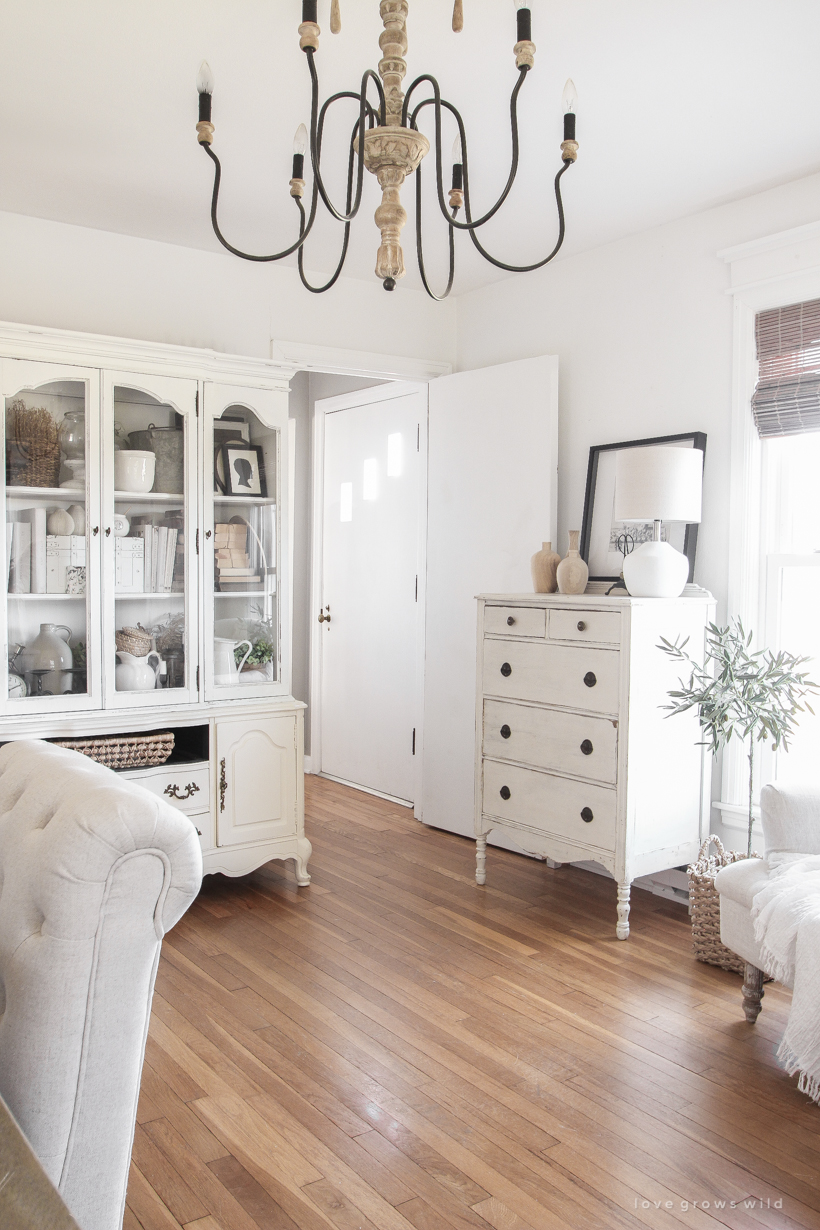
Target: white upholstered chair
x,y
790,816
93,871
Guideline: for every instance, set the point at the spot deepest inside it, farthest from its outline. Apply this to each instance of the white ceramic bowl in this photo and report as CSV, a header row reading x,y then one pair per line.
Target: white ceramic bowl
x,y
134,470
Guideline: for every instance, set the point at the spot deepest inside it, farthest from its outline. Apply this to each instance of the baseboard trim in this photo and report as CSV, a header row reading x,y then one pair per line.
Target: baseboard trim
x,y
391,798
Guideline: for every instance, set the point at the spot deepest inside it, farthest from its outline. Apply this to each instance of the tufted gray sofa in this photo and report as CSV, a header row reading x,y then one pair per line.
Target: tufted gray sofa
x,y
93,871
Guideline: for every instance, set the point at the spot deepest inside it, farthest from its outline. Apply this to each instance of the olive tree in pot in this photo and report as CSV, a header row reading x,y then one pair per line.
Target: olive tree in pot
x,y
755,696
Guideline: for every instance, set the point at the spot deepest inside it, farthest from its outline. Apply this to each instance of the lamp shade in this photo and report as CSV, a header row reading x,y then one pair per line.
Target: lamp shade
x,y
658,483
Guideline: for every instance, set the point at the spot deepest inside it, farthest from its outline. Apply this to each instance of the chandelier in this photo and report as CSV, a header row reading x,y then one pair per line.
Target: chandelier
x,y
386,141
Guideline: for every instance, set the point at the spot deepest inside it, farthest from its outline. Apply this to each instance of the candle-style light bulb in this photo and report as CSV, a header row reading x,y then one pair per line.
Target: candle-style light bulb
x,y
300,144
569,103
458,156
205,79
205,88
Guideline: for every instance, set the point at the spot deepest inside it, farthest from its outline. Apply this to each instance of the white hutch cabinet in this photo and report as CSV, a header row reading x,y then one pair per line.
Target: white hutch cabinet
x,y
146,506
576,760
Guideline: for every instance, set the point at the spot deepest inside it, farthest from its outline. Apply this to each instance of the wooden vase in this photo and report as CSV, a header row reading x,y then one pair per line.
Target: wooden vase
x,y
572,573
543,565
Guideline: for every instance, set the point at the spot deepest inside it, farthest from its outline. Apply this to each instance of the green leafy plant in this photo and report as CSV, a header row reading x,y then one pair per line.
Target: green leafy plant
x,y
752,695
260,655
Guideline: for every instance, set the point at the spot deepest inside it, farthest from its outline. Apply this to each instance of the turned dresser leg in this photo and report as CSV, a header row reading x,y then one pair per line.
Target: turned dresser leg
x,y
752,992
622,927
481,859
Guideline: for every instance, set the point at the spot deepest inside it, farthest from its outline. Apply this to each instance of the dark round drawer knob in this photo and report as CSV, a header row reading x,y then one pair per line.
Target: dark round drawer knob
x,y
589,679
510,620
505,794
505,731
586,747
506,669
581,626
587,816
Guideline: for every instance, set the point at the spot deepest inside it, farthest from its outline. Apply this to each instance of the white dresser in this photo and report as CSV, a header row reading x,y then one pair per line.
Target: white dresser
x,y
575,758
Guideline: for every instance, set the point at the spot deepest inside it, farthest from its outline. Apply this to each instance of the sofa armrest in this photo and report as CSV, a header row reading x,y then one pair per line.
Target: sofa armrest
x,y
791,818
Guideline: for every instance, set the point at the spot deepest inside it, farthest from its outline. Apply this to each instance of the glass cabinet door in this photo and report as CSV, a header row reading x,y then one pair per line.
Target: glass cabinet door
x,y
52,539
245,585
150,649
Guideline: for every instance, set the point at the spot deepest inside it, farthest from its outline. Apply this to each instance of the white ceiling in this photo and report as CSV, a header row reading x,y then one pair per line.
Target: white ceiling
x,y
681,106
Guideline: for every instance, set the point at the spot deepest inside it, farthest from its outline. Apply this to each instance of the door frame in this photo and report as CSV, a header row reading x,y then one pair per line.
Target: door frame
x,y
385,392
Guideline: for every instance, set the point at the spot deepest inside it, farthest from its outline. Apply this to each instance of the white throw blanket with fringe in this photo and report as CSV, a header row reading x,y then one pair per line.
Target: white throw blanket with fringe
x,y
786,917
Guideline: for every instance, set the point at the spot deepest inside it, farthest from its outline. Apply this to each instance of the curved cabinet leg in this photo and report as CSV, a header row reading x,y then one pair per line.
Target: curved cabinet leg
x,y
752,992
301,861
622,928
481,859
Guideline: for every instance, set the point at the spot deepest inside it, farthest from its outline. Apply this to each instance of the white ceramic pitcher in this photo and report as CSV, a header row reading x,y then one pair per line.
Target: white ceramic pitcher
x,y
226,672
136,674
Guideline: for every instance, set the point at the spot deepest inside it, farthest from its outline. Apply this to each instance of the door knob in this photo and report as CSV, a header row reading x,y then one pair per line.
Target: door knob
x,y
324,619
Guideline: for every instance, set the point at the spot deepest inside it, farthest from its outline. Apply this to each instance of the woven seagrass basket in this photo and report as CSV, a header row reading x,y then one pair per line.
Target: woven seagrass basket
x,y
704,906
133,640
124,751
32,447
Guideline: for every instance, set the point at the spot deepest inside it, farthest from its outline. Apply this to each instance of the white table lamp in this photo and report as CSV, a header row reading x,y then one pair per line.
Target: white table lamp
x,y
657,483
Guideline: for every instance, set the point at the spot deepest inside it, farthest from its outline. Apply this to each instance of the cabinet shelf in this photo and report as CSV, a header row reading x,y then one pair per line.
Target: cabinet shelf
x,y
148,497
74,495
48,597
127,595
267,501
245,593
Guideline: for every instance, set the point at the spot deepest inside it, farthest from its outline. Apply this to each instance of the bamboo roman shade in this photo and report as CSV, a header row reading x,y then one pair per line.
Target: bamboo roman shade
x,y
786,400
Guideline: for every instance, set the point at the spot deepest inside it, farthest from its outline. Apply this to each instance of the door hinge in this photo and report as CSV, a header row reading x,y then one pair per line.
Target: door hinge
x,y
414,740
417,587
197,403
197,542
418,435
197,679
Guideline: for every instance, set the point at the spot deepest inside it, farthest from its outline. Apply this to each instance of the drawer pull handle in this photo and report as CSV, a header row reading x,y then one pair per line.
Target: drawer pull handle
x,y
505,731
581,626
587,816
586,747
173,791
590,680
505,792
506,669
510,621
198,831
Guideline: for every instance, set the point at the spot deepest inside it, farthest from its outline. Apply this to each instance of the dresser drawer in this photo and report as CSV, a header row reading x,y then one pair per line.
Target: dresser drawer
x,y
515,620
586,626
203,822
549,739
575,811
187,787
570,675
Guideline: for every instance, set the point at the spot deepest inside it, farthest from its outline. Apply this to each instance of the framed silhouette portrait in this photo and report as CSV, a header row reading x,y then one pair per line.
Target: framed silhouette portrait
x,y
243,467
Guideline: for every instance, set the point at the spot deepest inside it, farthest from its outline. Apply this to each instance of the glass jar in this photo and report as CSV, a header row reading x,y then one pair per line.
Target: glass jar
x,y
72,435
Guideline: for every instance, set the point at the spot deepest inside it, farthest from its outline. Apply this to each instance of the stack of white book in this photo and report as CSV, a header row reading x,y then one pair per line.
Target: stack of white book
x,y
145,563
38,562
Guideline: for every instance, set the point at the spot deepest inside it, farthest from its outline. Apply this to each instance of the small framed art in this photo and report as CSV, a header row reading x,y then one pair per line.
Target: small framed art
x,y
605,541
243,468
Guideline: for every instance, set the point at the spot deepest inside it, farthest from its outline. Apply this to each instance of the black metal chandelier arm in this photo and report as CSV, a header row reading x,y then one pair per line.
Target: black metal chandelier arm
x,y
553,253
419,250
438,102
318,290
317,126
249,256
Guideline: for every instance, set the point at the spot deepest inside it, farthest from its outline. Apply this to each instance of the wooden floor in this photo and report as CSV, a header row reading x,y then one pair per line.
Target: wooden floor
x,y
394,1047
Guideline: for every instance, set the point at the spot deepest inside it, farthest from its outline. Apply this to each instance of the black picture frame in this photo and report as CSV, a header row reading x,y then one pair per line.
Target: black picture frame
x,y
256,484
689,545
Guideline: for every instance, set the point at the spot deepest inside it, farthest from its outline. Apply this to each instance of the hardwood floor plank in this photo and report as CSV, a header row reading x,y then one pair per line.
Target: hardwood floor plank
x,y
394,1047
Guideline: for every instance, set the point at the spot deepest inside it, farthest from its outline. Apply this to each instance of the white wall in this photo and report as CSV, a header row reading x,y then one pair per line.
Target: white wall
x,y
643,331
71,277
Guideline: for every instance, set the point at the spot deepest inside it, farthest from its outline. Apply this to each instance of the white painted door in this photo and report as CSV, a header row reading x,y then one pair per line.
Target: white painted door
x,y
372,488
493,436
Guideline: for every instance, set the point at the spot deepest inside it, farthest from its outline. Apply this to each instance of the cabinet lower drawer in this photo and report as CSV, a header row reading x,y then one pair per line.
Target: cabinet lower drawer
x,y
187,787
570,675
203,822
550,739
575,811
515,620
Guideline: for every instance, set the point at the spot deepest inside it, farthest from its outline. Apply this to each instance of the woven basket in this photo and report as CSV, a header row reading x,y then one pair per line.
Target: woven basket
x,y
133,640
124,751
704,905
33,447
